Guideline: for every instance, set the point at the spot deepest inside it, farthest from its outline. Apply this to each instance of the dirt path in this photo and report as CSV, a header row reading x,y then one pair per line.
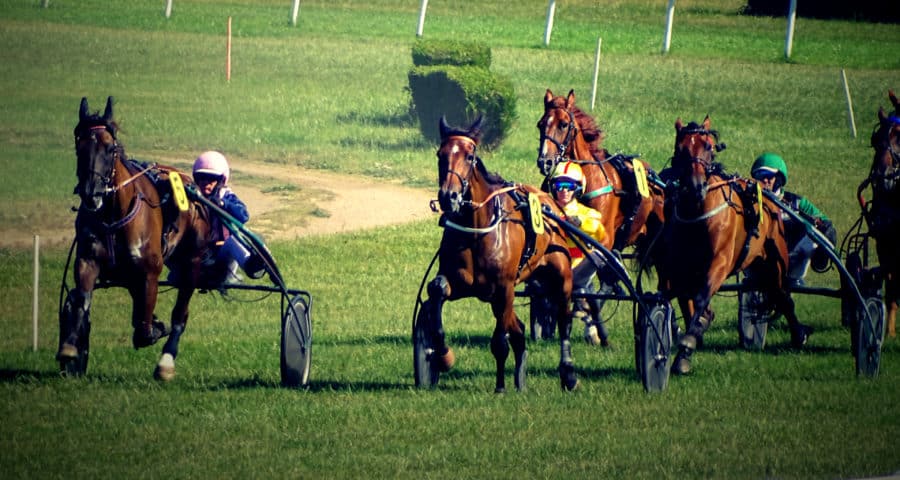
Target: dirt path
x,y
288,202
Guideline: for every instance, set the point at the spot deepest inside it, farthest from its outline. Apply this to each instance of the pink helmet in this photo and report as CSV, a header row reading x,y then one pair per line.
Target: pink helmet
x,y
213,163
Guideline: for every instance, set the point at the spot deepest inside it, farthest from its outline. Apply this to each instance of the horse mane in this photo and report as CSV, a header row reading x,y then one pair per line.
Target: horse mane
x,y
591,132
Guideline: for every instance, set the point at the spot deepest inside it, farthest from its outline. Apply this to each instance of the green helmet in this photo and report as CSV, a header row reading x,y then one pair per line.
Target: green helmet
x,y
771,162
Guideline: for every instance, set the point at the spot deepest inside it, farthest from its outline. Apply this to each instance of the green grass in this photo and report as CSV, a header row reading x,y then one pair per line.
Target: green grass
x,y
331,94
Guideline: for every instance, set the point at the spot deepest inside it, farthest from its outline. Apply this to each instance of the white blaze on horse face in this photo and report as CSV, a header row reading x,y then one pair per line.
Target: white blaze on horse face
x,y
454,150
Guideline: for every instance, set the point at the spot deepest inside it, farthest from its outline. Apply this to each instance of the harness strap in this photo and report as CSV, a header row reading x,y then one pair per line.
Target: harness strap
x,y
596,193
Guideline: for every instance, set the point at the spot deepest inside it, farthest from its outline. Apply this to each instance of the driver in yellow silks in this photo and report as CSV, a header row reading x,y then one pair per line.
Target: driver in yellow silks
x,y
566,185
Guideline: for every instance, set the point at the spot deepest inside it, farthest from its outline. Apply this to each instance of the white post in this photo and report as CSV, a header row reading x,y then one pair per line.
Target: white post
x,y
596,73
35,292
789,36
45,3
295,9
228,53
421,26
551,12
168,8
667,35
849,104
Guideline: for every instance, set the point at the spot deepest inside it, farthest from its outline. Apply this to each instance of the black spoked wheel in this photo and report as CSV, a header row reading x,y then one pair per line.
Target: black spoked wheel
x,y
754,314
655,346
77,366
543,322
296,343
426,374
869,337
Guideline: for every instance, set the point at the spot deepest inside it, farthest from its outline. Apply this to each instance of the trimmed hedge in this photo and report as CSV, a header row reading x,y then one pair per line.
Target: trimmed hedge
x,y
451,79
427,53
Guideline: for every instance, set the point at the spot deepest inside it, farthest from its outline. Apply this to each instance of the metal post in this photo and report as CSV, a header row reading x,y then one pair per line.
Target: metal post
x,y
667,35
168,8
35,293
421,26
548,30
295,9
849,103
789,36
596,73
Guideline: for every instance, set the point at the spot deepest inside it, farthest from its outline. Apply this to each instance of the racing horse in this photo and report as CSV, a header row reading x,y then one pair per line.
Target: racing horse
x,y
127,226
567,132
494,238
717,225
883,215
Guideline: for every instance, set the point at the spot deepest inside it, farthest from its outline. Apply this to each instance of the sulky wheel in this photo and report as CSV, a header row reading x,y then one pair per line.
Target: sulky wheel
x,y
869,335
426,373
655,345
78,366
543,322
754,314
296,343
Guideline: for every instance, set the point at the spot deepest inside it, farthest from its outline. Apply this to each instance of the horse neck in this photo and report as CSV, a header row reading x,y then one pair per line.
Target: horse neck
x,y
480,190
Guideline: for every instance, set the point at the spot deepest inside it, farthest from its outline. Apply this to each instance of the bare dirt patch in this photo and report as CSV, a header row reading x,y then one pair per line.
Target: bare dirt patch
x,y
288,202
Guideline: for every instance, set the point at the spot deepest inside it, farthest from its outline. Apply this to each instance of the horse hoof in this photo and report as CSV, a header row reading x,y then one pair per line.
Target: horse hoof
x,y
801,336
569,385
499,390
688,341
67,351
144,339
591,336
447,360
164,374
681,366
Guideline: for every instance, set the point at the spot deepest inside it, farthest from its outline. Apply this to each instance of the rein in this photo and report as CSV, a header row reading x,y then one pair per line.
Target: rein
x,y
711,213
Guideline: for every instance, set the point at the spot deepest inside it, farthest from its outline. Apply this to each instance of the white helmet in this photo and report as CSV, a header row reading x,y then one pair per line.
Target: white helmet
x,y
212,163
569,171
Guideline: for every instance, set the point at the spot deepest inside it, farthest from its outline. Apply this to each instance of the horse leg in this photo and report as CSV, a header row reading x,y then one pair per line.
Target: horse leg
x,y
165,368
515,334
701,316
891,296
438,292
500,350
785,304
86,273
147,329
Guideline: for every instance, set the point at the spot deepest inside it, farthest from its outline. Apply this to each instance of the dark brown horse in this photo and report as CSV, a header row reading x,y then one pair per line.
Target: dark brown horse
x,y
127,227
567,132
717,225
494,238
884,212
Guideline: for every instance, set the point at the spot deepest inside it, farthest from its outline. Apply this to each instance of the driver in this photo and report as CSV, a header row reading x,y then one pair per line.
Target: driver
x,y
566,185
211,173
771,172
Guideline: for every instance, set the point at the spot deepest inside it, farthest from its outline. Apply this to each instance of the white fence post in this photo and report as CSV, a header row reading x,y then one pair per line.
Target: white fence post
x,y
295,9
667,34
421,26
35,292
548,30
849,103
168,8
789,35
596,73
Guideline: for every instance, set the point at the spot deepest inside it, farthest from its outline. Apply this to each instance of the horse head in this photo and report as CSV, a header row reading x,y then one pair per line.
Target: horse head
x,y
96,149
886,142
694,159
457,163
557,129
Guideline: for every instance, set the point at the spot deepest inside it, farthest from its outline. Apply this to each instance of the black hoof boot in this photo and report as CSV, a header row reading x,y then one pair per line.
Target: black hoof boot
x,y
682,364
144,339
800,335
567,379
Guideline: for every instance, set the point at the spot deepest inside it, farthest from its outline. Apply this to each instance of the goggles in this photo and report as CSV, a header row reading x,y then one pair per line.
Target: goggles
x,y
565,185
764,174
201,177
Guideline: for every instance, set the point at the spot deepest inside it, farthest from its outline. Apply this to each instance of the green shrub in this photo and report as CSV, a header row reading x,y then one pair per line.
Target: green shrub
x,y
461,94
448,52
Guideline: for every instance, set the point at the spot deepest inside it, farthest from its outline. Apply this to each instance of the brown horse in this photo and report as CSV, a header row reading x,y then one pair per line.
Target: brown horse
x,y
717,225
494,238
127,226
884,212
567,132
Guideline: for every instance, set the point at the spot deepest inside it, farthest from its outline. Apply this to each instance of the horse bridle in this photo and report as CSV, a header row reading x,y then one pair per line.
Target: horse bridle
x,y
711,147
456,200
107,178
893,172
546,165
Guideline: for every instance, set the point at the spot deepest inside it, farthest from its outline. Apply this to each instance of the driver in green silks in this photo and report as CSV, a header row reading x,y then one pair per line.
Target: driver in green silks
x,y
770,170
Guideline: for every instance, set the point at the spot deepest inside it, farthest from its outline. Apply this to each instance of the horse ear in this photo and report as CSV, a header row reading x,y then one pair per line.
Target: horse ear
x,y
894,100
548,98
83,110
706,123
881,115
475,129
108,113
444,128
678,124
570,100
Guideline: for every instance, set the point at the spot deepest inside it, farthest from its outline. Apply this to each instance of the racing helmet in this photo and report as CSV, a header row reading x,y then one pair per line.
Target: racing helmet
x,y
212,163
567,172
770,163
